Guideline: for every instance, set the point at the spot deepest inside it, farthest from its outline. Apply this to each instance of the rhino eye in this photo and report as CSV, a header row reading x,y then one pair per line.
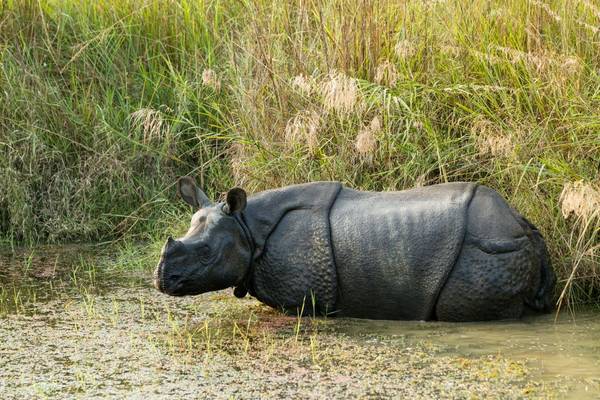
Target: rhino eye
x,y
203,252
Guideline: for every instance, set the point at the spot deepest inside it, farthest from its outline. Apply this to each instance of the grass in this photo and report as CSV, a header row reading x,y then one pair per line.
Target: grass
x,y
103,104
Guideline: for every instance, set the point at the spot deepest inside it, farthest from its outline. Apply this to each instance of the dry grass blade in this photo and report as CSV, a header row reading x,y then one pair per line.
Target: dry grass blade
x,y
151,123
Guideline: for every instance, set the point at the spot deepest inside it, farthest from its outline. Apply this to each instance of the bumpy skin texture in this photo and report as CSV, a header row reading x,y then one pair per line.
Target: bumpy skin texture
x,y
453,252
503,267
286,276
293,267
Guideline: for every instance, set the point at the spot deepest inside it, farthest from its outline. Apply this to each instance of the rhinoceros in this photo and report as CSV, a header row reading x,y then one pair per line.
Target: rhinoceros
x,y
447,252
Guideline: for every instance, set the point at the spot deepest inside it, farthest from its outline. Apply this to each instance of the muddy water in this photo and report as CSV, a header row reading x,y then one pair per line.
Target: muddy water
x,y
558,348
82,322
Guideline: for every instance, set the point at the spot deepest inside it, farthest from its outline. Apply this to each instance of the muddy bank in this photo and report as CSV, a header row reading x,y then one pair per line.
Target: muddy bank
x,y
95,328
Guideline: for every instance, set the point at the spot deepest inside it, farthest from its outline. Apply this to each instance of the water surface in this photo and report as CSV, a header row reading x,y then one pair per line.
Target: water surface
x,y
558,348
84,322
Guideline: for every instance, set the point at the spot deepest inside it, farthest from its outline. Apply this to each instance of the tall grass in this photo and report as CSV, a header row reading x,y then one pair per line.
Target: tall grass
x,y
105,103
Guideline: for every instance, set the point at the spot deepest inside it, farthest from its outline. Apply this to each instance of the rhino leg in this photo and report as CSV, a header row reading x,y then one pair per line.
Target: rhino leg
x,y
484,286
500,269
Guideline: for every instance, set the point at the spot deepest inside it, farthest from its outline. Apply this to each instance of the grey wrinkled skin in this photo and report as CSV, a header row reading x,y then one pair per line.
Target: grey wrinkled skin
x,y
449,252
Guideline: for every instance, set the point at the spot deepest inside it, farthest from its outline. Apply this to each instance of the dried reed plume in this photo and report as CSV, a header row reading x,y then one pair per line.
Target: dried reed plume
x,y
418,125
547,8
433,3
594,29
489,139
303,84
457,51
339,92
304,128
452,50
581,199
404,49
593,8
498,13
150,122
210,79
386,74
366,140
516,56
473,88
540,62
571,65
420,181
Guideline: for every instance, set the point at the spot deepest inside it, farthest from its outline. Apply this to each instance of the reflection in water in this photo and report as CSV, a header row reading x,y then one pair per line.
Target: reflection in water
x,y
75,293
29,277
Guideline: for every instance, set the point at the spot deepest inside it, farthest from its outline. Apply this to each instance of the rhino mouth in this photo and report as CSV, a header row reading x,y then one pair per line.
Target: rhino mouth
x,y
160,271
159,277
170,284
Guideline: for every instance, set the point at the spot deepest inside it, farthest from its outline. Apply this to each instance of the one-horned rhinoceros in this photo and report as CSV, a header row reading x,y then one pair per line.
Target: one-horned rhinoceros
x,y
451,252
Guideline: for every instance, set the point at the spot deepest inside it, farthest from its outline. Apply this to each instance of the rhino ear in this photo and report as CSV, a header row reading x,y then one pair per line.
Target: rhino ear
x,y
191,193
236,200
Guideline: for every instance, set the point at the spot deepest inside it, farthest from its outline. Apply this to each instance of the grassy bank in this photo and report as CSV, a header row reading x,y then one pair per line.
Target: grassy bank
x,y
103,104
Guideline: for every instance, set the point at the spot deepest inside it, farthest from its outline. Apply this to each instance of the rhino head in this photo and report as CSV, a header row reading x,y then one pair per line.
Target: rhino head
x,y
215,252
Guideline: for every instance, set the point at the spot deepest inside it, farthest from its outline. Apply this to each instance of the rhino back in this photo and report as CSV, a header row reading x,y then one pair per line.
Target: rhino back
x,y
394,250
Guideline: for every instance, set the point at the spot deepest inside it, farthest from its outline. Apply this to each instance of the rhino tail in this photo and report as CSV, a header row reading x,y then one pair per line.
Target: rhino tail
x,y
543,300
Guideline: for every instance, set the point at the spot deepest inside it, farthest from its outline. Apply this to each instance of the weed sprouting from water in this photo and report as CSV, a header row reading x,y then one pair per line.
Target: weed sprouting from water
x,y
89,304
300,313
11,300
238,332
